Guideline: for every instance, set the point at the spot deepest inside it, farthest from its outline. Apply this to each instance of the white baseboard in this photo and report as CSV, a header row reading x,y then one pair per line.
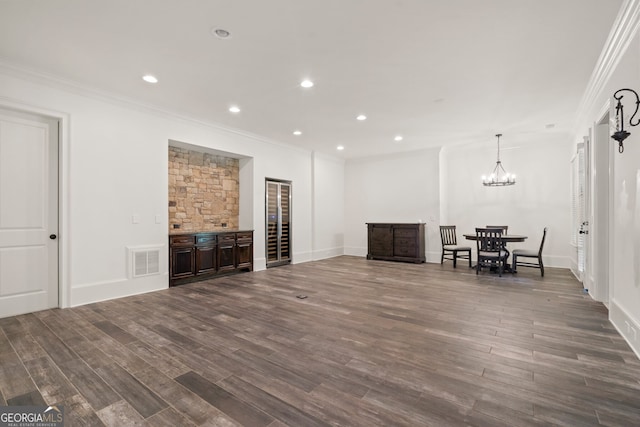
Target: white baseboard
x,y
327,253
626,325
103,291
300,257
355,251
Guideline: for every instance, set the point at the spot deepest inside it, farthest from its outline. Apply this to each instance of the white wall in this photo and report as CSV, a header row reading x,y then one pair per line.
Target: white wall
x,y
624,226
328,206
114,160
398,188
540,198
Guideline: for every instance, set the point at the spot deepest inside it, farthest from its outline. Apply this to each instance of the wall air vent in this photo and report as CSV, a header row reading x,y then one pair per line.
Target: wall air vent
x,y
144,260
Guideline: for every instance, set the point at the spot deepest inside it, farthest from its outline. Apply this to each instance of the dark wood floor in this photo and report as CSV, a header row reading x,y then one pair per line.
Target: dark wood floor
x,y
374,344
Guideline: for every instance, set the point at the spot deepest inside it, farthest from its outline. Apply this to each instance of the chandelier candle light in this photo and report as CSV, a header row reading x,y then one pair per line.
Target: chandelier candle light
x,y
499,177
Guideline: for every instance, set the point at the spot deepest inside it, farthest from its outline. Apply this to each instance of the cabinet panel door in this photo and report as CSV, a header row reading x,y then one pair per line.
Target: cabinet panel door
x,y
245,254
205,259
182,262
381,240
226,257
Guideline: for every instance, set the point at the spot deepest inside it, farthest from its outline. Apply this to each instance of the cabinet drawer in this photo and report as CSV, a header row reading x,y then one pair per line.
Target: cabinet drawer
x,y
206,239
404,232
181,240
404,243
405,251
227,238
245,236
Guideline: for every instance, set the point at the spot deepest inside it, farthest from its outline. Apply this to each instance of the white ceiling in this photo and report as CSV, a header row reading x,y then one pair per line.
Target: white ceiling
x,y
435,72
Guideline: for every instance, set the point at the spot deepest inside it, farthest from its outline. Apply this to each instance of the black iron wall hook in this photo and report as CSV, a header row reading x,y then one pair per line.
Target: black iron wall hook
x,y
620,134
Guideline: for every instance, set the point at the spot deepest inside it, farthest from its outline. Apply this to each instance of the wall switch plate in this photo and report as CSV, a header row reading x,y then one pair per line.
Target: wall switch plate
x,y
158,219
135,219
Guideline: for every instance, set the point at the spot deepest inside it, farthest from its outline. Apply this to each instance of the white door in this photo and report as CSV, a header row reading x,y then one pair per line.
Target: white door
x,y
28,213
579,214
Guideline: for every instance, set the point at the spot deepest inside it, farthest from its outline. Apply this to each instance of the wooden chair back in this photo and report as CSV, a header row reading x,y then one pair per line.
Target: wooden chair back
x,y
448,235
504,228
544,236
489,240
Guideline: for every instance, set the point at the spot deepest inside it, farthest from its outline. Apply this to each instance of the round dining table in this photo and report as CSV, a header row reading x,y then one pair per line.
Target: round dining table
x,y
506,238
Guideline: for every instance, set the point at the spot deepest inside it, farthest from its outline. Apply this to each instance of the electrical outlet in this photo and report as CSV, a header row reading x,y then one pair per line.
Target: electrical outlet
x,y
135,219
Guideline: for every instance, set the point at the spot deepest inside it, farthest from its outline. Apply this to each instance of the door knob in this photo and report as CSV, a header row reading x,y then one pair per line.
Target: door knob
x,y
52,236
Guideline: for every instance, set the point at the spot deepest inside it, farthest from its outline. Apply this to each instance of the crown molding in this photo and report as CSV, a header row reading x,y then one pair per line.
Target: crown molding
x,y
36,76
622,33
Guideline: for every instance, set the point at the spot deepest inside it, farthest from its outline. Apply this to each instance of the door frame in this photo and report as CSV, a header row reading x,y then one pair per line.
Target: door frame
x,y
64,287
603,195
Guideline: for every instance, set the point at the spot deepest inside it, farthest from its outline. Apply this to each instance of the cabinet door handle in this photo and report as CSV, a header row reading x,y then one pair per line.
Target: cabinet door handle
x,y
52,236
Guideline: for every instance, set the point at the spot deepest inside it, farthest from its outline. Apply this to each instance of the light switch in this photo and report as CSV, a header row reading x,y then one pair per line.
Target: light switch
x,y
135,219
158,219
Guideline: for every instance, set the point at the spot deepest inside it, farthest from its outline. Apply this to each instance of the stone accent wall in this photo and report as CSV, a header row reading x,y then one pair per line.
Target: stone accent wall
x,y
204,191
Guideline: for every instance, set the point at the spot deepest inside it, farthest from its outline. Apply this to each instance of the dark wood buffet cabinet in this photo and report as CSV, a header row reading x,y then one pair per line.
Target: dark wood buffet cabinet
x,y
197,256
396,242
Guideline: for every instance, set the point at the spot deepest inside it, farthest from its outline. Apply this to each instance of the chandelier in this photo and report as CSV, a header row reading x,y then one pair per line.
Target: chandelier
x,y
499,177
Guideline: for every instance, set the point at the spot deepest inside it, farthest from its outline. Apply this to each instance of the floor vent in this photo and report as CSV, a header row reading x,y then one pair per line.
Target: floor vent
x,y
144,261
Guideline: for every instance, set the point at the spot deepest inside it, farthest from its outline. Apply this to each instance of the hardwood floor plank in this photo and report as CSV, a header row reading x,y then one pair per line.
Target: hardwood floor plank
x,y
166,364
243,412
78,412
132,390
182,399
270,404
168,418
120,414
115,332
563,418
53,385
25,346
32,398
93,388
14,378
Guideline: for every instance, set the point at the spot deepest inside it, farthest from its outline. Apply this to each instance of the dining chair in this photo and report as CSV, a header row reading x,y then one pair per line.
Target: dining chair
x,y
450,245
524,253
491,251
504,228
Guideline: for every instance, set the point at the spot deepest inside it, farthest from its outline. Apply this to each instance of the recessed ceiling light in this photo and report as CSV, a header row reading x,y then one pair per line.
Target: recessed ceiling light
x,y
306,84
150,79
221,33
361,117
234,109
398,138
550,125
339,148
297,132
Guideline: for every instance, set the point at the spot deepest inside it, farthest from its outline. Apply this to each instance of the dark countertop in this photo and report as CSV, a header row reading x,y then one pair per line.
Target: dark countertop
x,y
180,232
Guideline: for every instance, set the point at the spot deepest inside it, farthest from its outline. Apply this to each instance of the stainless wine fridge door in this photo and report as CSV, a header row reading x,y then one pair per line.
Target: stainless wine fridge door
x,y
278,222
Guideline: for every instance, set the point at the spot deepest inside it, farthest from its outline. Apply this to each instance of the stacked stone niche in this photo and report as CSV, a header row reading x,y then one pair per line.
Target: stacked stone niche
x,y
203,191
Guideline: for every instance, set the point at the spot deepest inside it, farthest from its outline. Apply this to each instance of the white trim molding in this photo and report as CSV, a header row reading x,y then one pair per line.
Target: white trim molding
x,y
622,33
